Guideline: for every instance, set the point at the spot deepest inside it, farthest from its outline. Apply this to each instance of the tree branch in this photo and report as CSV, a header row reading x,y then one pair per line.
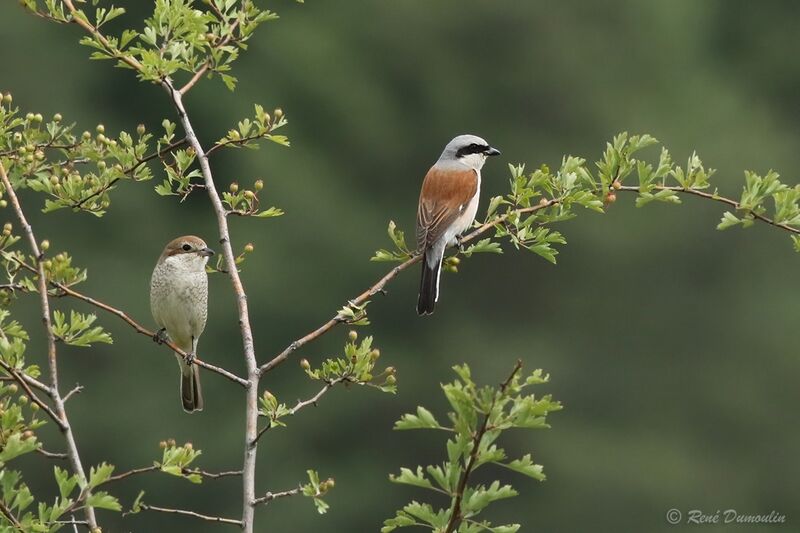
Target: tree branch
x,y
251,416
60,411
364,297
709,196
455,514
183,512
269,496
156,468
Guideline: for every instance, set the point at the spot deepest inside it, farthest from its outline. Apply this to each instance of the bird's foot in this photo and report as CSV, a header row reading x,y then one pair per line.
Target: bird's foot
x,y
460,243
160,336
189,358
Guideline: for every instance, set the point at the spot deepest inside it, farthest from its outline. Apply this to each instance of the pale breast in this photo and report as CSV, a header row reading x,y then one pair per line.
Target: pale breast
x,y
179,303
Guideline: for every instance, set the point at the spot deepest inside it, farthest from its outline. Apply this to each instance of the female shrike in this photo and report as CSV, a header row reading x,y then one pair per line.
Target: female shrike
x,y
179,303
447,207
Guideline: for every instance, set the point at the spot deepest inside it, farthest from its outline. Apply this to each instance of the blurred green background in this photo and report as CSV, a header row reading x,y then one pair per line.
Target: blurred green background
x,y
670,344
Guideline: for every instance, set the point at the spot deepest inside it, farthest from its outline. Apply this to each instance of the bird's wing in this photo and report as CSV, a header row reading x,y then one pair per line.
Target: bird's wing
x,y
445,194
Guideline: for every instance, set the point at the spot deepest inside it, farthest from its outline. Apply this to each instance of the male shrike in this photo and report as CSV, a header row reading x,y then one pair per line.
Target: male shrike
x,y
447,207
179,303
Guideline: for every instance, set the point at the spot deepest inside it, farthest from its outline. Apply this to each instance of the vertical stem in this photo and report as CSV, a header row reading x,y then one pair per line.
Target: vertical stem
x,y
52,359
251,417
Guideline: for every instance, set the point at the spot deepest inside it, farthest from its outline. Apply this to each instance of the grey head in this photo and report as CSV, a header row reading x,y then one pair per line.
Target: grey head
x,y
469,150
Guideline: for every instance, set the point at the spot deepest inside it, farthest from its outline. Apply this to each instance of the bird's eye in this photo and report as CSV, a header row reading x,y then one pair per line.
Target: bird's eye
x,y
186,247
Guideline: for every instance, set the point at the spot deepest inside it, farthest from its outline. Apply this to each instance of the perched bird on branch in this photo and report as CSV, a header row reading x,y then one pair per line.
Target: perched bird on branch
x,y
179,303
447,207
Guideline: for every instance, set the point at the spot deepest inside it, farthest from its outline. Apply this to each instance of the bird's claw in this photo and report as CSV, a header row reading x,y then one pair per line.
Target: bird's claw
x,y
460,243
189,358
160,336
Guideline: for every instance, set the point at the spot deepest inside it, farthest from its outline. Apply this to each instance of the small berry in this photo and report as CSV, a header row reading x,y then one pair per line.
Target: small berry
x,y
7,98
101,138
233,187
86,135
13,388
391,380
249,247
27,434
543,201
17,137
259,184
38,117
34,407
162,444
617,185
29,116
188,446
57,117
353,334
249,194
7,227
45,245
100,128
23,399
278,113
611,198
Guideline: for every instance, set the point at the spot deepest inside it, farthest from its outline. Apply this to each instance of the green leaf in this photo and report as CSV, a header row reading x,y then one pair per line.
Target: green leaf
x,y
424,419
103,500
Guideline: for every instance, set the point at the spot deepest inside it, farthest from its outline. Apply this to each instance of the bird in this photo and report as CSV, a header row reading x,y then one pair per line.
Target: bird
x,y
179,304
448,203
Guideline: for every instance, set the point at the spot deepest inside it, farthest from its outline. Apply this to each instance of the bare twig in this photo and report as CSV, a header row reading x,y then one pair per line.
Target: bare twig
x,y
269,496
75,390
709,196
378,287
251,414
186,471
51,455
455,514
184,512
60,411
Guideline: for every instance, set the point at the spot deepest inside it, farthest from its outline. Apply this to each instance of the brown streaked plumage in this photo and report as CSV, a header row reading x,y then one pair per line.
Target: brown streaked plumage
x,y
448,203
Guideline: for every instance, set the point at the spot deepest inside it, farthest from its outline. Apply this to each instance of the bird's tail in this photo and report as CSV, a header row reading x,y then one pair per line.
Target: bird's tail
x,y
191,394
428,285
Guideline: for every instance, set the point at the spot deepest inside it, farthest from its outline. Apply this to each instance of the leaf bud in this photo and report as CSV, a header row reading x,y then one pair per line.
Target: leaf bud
x,y
268,396
249,247
304,364
140,129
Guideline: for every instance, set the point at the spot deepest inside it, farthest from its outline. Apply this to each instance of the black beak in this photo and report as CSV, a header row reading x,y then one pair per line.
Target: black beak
x,y
492,151
206,252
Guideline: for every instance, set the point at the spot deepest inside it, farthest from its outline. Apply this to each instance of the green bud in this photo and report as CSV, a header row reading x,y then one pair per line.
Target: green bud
x,y
34,407
100,128
249,247
38,117
45,245
304,364
57,117
258,185
23,399
249,194
390,379
101,138
233,187
352,335
7,98
7,227
29,117
278,113
140,129
86,135
13,388
17,137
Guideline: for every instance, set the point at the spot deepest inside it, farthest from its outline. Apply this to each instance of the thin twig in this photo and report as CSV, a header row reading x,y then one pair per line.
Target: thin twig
x,y
251,413
75,390
455,514
51,455
184,512
378,287
5,511
186,471
709,196
269,496
202,70
60,411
